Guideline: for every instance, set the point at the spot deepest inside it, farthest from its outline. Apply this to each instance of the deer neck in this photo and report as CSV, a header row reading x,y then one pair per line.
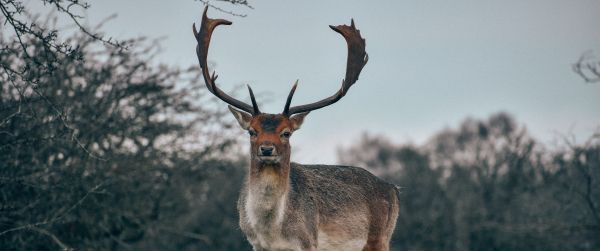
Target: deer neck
x,y
268,188
269,181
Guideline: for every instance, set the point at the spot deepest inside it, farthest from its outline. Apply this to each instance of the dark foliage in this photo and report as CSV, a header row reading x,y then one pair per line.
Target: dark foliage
x,y
102,150
106,151
489,186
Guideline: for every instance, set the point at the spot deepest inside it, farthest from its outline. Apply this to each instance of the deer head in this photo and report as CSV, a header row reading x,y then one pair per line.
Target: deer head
x,y
270,133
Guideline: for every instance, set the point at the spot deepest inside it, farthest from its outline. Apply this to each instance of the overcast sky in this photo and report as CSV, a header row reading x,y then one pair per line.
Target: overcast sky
x,y
432,63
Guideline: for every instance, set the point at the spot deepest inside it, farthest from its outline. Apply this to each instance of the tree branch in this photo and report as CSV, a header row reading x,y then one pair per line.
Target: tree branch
x,y
588,67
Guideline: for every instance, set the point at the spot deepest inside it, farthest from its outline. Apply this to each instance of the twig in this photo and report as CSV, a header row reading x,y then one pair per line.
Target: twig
x,y
62,117
112,237
205,2
75,18
56,218
587,68
20,99
62,245
191,235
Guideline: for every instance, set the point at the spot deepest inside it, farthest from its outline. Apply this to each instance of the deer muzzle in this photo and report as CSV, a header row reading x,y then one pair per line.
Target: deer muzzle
x,y
267,154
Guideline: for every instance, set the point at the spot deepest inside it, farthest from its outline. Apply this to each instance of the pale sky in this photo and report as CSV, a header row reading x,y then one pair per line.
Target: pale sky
x,y
432,63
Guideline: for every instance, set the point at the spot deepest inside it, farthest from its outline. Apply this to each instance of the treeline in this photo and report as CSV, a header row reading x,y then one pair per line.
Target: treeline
x,y
100,149
488,185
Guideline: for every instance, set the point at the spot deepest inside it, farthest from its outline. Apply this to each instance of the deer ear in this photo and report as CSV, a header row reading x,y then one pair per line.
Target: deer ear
x,y
297,120
242,117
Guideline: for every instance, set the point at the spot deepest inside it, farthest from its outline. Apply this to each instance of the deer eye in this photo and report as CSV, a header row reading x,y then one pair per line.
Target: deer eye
x,y
252,133
286,134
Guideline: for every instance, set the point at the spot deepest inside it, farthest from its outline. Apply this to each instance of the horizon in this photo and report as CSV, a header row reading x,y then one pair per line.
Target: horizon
x,y
431,65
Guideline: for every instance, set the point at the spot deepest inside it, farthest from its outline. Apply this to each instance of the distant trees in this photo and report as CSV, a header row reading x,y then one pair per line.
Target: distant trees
x,y
102,149
489,186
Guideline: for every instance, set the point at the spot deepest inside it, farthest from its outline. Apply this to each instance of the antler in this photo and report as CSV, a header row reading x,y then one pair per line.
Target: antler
x,y
357,58
203,38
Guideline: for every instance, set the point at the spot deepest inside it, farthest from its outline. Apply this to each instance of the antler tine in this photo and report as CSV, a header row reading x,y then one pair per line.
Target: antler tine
x,y
203,38
254,105
286,109
357,58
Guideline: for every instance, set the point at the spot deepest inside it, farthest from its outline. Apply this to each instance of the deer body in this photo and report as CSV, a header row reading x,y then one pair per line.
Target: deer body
x,y
319,208
289,206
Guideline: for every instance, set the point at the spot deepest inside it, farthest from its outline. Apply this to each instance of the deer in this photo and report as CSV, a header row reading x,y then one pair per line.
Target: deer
x,y
284,205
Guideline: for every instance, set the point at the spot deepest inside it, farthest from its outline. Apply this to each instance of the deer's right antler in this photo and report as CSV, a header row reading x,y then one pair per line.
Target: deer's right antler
x,y
203,39
357,59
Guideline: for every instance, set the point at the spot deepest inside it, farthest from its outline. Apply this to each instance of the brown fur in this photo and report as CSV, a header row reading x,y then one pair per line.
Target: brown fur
x,y
289,206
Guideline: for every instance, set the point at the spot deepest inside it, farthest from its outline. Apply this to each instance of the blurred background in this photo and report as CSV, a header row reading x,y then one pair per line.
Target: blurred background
x,y
486,114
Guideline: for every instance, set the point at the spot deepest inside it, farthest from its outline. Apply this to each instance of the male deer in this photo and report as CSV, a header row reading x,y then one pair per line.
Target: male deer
x,y
289,206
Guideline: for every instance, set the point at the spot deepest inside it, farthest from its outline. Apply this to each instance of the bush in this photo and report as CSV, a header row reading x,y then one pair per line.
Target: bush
x,y
106,151
489,186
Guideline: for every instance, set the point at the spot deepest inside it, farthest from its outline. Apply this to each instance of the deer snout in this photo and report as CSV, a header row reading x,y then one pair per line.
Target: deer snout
x,y
267,150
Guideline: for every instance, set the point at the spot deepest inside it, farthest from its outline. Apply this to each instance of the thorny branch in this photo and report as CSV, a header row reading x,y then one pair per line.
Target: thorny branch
x,y
75,18
55,218
16,15
588,67
61,244
234,2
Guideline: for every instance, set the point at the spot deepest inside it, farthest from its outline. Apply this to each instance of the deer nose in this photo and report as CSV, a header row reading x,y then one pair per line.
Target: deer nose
x,y
266,150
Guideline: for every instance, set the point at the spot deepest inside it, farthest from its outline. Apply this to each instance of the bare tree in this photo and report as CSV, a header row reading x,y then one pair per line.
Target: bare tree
x,y
98,145
588,67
